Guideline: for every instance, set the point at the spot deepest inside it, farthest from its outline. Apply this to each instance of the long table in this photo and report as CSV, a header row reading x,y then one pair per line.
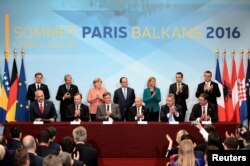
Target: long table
x,y
124,139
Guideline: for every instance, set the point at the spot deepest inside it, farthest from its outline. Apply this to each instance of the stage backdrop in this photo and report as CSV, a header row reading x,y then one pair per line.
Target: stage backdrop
x,y
114,38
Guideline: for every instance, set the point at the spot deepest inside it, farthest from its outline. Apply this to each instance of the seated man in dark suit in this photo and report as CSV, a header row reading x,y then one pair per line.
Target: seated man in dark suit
x,y
204,110
38,85
88,154
42,109
108,110
171,112
16,135
78,110
43,145
30,144
138,112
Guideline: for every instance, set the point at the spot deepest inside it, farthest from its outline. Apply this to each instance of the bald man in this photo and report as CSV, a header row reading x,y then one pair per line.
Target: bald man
x,y
30,144
138,112
42,109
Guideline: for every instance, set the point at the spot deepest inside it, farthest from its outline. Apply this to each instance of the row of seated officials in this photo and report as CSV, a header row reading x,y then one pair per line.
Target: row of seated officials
x,y
76,151
45,110
123,101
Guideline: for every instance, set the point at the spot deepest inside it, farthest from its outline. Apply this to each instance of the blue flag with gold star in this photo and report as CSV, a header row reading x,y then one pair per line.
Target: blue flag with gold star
x,y
22,113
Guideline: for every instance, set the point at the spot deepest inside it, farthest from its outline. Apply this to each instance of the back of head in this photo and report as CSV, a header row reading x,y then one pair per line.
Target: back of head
x,y
246,137
52,160
21,157
187,137
231,143
52,131
67,144
15,132
186,153
214,139
29,142
2,152
80,134
43,137
65,158
179,135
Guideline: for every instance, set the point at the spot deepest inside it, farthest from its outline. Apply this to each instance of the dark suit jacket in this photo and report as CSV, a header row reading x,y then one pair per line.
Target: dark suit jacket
x,y
88,154
35,160
32,89
84,113
120,100
197,112
133,111
43,151
49,110
14,144
165,110
66,102
101,112
180,98
211,95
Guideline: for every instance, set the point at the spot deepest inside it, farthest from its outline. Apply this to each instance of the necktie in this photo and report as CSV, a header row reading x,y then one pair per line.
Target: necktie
x,y
138,110
38,86
203,110
125,93
171,118
107,108
41,108
67,87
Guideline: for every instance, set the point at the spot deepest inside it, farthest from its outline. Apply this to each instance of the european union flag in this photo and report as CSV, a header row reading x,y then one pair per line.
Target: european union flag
x,y
22,113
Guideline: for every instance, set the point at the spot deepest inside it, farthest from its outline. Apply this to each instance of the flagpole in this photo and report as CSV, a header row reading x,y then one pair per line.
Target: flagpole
x,y
248,54
22,53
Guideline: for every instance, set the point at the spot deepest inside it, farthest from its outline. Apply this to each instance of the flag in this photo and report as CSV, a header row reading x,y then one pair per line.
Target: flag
x,y
220,100
248,87
242,92
4,92
11,108
22,113
235,97
227,92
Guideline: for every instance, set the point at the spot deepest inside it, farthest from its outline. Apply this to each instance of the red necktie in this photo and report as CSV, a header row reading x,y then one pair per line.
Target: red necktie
x,y
41,108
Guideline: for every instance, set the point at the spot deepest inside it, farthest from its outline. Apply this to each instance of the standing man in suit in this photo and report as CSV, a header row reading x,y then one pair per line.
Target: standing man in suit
x,y
108,110
15,142
181,93
124,97
38,85
204,110
78,110
42,109
209,87
171,112
65,94
138,112
87,153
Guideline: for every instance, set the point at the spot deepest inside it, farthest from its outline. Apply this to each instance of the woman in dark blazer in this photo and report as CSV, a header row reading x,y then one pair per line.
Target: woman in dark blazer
x,y
151,98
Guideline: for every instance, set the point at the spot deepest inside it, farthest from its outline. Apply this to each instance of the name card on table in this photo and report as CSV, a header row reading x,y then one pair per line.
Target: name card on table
x,y
75,122
173,122
142,122
38,122
206,122
107,122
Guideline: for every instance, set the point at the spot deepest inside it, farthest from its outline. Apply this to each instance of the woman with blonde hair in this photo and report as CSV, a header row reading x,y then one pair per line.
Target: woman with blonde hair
x,y
186,155
152,98
95,97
